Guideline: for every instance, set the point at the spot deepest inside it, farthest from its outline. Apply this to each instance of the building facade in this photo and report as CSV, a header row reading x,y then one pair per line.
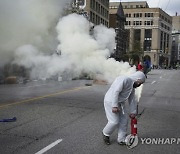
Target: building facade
x,y
175,56
117,21
149,31
96,10
176,23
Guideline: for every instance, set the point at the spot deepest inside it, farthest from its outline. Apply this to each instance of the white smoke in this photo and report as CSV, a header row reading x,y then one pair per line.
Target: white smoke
x,y
28,35
80,52
28,22
138,93
88,53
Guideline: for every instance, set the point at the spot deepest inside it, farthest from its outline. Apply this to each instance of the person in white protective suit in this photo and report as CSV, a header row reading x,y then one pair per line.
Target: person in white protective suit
x,y
121,91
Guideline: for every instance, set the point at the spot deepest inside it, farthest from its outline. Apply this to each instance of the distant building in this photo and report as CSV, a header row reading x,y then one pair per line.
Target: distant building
x,y
176,23
96,10
175,56
117,21
149,31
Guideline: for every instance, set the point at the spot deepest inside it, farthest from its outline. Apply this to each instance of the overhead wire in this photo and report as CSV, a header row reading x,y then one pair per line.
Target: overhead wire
x,y
167,5
158,3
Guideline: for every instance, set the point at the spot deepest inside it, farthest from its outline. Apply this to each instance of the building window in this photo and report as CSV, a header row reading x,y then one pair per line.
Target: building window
x,y
149,15
106,13
128,15
90,16
128,23
148,23
137,23
137,35
91,4
162,25
101,10
148,33
164,45
147,39
167,45
137,15
161,41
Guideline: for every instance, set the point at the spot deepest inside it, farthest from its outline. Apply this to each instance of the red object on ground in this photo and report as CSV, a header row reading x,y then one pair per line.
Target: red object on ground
x,y
134,126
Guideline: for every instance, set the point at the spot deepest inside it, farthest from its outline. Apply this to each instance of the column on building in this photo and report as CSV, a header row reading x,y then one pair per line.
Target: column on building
x,y
155,46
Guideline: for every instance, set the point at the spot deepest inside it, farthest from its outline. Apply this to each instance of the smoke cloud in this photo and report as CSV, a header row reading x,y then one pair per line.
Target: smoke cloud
x,y
89,53
81,53
30,33
29,37
28,22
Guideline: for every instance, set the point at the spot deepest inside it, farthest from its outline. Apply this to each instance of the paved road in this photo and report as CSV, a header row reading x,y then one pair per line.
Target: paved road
x,y
68,117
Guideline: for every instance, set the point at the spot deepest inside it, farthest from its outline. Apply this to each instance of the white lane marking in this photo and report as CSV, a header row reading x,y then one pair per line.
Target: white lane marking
x,y
49,147
153,82
160,77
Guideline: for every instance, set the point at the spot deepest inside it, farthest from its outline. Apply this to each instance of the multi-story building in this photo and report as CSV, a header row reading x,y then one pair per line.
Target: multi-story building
x,y
149,31
117,21
96,10
176,23
175,56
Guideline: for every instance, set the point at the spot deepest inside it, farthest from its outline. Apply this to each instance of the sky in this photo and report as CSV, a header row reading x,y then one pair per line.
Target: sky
x,y
169,6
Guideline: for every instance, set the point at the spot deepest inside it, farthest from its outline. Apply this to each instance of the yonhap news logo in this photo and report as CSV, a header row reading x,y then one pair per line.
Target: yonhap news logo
x,y
162,141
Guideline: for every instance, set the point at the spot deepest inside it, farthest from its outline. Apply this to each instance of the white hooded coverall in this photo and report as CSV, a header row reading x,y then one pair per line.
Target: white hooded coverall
x,y
120,92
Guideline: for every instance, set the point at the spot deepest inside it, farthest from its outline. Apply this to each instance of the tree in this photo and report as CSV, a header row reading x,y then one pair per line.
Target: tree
x,y
136,53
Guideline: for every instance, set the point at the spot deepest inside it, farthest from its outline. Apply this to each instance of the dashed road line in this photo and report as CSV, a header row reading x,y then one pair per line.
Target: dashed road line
x,y
49,147
153,82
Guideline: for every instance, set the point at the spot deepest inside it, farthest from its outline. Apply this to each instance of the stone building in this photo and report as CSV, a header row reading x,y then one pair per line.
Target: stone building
x,y
96,10
149,31
175,56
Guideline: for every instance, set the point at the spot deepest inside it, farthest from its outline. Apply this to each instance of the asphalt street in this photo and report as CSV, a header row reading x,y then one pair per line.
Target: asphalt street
x,y
68,117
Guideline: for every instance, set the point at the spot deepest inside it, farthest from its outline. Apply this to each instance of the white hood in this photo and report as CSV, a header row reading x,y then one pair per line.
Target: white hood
x,y
138,76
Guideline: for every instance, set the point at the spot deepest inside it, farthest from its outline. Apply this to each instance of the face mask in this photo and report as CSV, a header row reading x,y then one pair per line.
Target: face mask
x,y
136,84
